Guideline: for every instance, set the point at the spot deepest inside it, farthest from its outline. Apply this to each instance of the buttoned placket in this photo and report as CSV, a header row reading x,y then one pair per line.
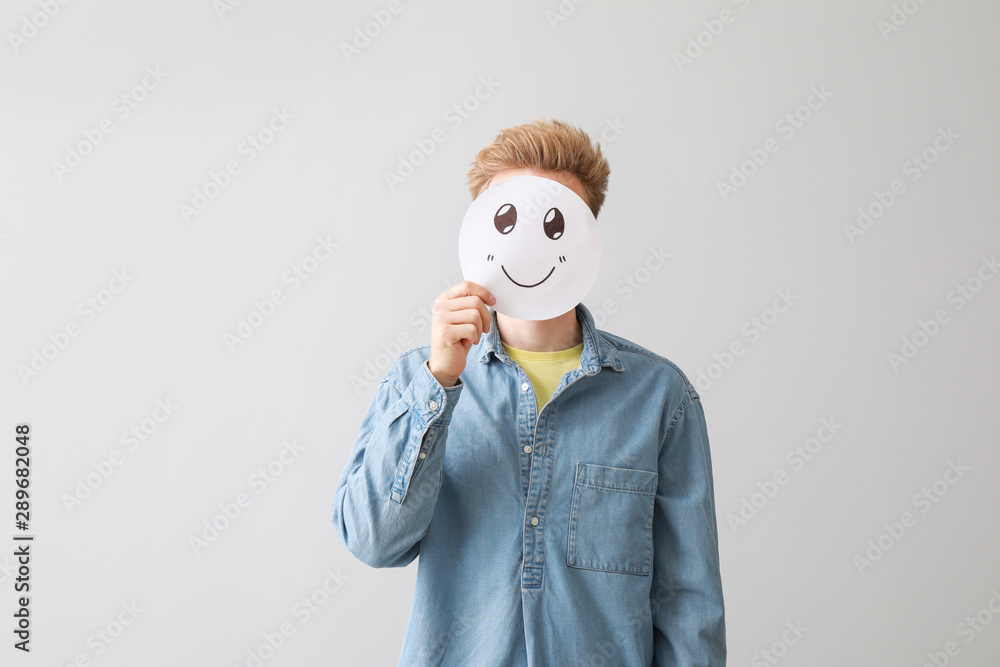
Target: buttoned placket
x,y
538,462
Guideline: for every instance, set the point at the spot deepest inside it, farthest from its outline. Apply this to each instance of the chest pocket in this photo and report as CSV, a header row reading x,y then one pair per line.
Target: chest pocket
x,y
611,519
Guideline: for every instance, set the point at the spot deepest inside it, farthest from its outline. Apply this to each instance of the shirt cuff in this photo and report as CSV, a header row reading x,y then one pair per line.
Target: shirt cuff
x,y
428,398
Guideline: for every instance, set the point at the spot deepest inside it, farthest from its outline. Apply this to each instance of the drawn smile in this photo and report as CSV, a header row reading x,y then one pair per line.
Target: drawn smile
x,y
520,285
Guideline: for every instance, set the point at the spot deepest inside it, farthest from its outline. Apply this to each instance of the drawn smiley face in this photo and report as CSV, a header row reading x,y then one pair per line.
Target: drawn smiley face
x,y
534,243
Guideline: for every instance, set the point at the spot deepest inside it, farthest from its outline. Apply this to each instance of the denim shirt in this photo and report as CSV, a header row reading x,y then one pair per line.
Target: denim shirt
x,y
583,534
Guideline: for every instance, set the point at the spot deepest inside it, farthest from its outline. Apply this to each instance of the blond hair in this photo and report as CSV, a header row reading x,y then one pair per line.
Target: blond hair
x,y
549,145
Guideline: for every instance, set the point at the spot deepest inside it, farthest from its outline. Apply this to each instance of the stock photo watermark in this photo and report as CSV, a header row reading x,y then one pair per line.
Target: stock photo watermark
x,y
605,654
927,329
713,29
435,651
924,501
34,23
454,116
797,458
230,511
773,654
375,367
104,468
246,152
752,330
121,108
786,126
899,17
264,308
629,285
105,636
8,568
364,34
968,629
612,130
562,12
302,610
59,340
602,654
224,8
914,167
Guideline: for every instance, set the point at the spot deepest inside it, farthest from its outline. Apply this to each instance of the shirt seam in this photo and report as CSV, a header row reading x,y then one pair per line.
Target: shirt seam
x,y
621,347
678,413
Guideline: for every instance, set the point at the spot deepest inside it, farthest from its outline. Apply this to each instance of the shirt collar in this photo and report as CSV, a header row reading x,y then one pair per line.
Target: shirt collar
x,y
597,351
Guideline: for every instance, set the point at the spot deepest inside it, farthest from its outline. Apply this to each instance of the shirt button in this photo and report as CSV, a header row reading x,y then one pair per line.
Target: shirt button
x,y
524,386
527,449
534,521
433,405
422,455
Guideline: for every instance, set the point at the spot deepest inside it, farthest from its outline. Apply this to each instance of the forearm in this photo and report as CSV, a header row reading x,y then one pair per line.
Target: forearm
x,y
386,495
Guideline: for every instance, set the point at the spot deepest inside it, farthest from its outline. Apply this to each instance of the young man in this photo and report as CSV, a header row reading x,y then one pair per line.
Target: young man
x,y
555,479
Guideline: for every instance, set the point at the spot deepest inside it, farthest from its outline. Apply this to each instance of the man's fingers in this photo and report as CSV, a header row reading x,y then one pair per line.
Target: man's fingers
x,y
463,303
461,331
468,288
484,312
457,321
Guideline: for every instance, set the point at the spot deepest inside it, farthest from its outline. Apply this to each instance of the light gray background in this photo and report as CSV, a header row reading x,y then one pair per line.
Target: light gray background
x,y
682,129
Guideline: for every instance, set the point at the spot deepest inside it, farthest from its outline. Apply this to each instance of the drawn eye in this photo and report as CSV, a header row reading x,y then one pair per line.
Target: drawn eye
x,y
554,223
505,218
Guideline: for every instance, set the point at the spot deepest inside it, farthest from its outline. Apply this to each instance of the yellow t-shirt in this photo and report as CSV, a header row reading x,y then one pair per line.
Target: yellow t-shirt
x,y
545,369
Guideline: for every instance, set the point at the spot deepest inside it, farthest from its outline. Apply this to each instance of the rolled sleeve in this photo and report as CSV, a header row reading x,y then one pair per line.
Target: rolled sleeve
x,y
432,405
386,493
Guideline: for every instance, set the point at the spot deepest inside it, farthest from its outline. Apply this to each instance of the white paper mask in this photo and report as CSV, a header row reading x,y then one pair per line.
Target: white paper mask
x,y
532,242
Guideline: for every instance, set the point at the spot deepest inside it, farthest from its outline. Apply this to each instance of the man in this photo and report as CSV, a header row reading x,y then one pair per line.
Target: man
x,y
554,479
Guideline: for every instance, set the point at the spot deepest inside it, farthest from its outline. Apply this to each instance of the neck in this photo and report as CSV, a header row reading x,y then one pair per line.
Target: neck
x,y
558,333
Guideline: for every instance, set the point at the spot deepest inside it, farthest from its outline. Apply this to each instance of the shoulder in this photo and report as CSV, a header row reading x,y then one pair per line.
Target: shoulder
x,y
635,357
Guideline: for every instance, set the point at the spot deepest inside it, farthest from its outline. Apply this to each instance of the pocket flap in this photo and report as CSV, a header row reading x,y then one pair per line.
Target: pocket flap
x,y
622,479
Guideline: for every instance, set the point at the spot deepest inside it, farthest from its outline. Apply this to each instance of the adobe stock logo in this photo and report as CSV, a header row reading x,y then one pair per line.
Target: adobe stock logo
x,y
264,308
454,116
381,18
225,7
121,107
248,149
753,328
968,629
914,167
797,457
778,649
787,126
714,28
899,17
927,329
924,500
104,468
58,341
31,26
105,636
231,510
303,610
